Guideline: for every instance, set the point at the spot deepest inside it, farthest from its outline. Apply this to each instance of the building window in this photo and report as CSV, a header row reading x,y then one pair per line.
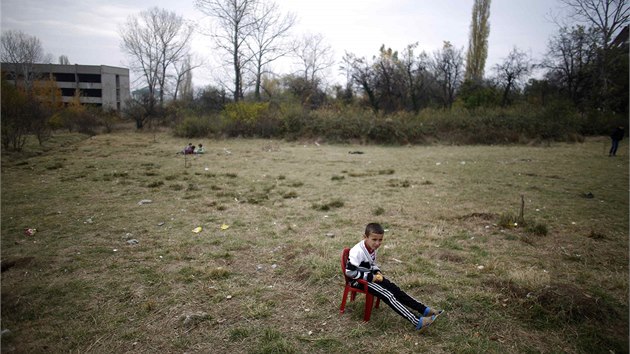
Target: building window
x,y
94,78
64,77
92,92
118,88
68,92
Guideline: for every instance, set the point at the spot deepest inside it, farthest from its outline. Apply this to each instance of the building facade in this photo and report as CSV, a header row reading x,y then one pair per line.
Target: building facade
x,y
99,85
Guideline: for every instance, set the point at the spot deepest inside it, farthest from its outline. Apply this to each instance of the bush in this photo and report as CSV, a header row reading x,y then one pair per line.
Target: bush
x,y
516,124
538,229
196,127
244,118
339,126
293,118
15,111
387,131
601,123
508,221
556,121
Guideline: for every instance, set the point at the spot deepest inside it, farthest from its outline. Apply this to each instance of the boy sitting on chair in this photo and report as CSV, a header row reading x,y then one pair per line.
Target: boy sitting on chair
x,y
362,265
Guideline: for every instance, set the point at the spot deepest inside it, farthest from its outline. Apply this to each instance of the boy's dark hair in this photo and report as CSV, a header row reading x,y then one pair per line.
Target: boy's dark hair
x,y
374,228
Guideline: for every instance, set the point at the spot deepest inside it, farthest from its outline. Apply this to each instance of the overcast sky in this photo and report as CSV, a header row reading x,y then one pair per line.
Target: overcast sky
x,y
87,30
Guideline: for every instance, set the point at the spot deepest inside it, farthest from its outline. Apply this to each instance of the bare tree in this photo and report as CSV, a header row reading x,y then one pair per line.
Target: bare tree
x,y
570,58
31,100
63,60
268,39
447,67
415,75
390,81
608,17
478,41
156,40
361,74
22,51
515,67
235,21
314,56
174,37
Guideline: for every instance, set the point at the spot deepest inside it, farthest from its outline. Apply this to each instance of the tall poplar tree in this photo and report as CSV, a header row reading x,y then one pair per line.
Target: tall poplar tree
x,y
478,41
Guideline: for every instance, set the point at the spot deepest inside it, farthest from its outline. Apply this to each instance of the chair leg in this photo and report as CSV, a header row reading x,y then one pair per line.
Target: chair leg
x,y
369,299
378,302
342,309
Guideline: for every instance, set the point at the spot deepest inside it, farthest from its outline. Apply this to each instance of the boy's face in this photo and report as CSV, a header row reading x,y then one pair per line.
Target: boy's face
x,y
373,241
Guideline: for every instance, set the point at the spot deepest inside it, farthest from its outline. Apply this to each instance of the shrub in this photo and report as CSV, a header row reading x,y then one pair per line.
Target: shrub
x,y
556,121
518,123
293,119
340,126
243,118
196,127
337,203
155,184
538,229
508,220
387,131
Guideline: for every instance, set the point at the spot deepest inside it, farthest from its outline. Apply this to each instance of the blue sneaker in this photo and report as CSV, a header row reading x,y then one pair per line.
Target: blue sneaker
x,y
425,322
429,311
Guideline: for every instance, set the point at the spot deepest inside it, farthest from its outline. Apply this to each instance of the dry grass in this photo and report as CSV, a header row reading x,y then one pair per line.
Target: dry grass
x,y
263,275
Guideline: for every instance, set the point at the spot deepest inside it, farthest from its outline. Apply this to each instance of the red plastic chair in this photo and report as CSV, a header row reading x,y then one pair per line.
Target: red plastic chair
x,y
369,298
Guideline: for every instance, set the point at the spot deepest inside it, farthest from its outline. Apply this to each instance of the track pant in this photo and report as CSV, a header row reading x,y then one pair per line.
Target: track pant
x,y
397,299
613,147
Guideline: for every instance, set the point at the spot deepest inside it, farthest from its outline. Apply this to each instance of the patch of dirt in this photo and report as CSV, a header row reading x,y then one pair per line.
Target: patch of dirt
x,y
482,216
7,264
566,302
573,304
507,288
449,257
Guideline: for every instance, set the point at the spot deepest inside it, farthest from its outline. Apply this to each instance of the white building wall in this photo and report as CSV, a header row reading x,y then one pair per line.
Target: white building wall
x,y
113,85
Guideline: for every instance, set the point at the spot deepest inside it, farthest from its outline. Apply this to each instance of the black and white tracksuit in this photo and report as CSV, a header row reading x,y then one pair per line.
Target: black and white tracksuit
x,y
362,265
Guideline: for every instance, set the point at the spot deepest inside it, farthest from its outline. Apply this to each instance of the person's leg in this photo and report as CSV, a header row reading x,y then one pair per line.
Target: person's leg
x,y
615,146
403,297
388,297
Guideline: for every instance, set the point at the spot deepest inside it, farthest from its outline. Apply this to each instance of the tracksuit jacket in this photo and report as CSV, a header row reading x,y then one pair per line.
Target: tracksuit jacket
x,y
362,265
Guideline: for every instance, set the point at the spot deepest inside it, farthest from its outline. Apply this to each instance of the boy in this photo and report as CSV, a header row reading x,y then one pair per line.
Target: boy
x,y
362,265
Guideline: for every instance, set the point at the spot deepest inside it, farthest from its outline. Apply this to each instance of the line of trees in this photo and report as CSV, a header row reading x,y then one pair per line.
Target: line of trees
x,y
585,68
582,64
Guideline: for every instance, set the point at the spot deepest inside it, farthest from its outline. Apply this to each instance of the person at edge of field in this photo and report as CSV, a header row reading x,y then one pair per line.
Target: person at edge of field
x,y
362,265
190,149
616,136
200,149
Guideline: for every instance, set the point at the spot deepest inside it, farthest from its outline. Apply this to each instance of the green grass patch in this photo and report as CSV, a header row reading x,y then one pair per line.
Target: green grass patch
x,y
273,228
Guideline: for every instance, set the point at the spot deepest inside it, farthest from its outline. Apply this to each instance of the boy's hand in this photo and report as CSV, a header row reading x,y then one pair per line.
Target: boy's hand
x,y
378,278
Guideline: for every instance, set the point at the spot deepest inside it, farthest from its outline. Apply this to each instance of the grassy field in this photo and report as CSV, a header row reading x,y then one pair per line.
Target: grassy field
x,y
115,267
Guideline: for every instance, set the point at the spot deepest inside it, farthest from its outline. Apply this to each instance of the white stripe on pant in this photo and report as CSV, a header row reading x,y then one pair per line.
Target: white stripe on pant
x,y
395,298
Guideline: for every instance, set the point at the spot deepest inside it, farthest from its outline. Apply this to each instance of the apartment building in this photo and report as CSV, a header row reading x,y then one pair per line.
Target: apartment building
x,y
99,85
